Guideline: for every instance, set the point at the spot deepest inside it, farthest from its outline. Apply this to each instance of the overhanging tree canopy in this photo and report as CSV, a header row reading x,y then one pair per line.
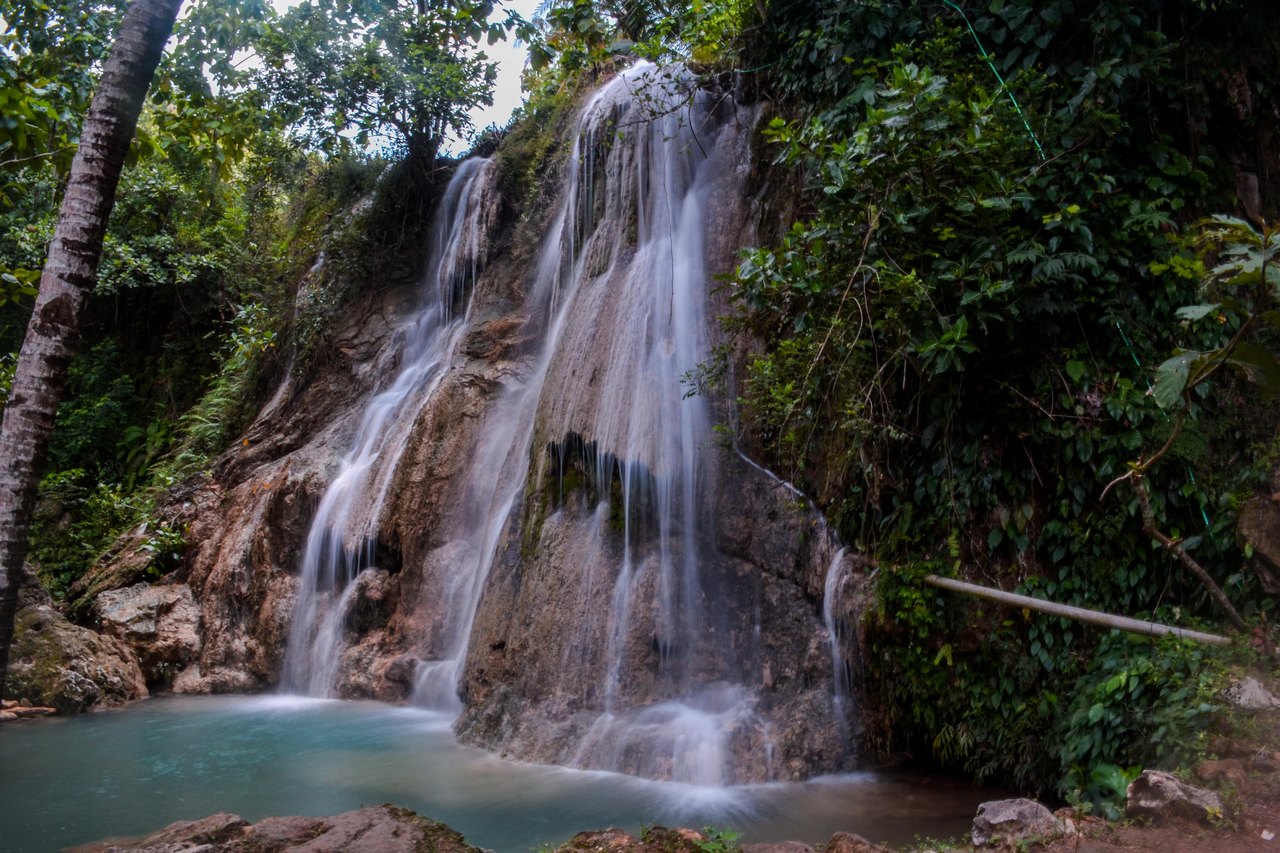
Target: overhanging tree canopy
x,y
410,70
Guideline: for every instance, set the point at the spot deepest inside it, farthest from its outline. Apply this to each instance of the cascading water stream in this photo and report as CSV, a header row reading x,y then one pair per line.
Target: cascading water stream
x,y
837,573
626,270
342,540
576,517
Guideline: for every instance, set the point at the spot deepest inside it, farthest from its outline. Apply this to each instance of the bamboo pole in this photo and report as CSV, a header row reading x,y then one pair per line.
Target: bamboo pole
x,y
1093,617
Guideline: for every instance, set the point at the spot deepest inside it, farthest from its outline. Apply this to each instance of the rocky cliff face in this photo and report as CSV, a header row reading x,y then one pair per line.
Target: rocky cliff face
x,y
566,552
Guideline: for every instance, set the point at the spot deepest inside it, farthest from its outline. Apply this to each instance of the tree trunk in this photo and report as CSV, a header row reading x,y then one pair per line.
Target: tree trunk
x,y
70,272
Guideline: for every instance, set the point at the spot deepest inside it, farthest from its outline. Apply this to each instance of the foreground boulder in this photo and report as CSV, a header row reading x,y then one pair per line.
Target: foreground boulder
x,y
64,666
1159,796
391,829
374,829
847,842
1249,694
1014,821
659,839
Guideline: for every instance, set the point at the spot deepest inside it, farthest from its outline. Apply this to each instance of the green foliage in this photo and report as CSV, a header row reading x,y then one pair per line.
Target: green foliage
x,y
208,426
191,236
204,105
713,840
959,340
575,36
1245,281
167,234
1137,704
75,521
958,686
98,409
49,52
718,840
379,67
957,323
1036,702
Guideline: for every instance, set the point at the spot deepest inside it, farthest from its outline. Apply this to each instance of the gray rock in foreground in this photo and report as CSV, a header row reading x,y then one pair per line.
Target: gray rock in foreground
x,y
374,829
390,829
1158,796
1248,693
1010,821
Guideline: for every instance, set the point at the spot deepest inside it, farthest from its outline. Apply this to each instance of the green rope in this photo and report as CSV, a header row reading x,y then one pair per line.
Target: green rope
x,y
1191,475
1132,353
982,50
758,67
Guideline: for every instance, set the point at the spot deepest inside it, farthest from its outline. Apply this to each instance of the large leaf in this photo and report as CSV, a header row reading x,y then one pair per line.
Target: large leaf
x,y
1171,378
1196,312
1259,364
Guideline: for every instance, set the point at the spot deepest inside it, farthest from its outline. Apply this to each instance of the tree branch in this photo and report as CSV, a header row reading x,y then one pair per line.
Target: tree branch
x,y
1175,548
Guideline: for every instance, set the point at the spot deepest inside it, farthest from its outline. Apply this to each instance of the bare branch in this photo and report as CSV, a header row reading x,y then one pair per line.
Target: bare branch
x,y
1175,548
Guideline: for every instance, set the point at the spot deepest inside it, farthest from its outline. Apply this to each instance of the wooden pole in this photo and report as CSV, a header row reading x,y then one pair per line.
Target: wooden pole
x,y
1093,617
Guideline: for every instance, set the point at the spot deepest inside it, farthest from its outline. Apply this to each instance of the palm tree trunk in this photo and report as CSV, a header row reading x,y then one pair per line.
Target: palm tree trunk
x,y
70,272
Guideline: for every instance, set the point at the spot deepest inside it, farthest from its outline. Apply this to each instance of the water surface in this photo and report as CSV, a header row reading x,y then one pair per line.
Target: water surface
x,y
67,781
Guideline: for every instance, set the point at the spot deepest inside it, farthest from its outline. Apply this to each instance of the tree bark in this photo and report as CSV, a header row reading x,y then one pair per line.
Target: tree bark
x,y
70,272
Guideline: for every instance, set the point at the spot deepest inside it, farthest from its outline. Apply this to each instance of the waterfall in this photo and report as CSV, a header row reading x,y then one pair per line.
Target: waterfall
x,y
342,540
564,590
622,281
649,133
837,573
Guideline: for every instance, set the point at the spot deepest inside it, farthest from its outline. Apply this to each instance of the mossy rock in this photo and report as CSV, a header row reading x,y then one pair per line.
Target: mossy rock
x,y
60,665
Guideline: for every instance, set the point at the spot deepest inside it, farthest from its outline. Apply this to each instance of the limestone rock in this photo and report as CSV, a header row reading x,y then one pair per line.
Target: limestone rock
x,y
1248,693
1011,821
374,829
64,666
847,842
1158,796
133,557
655,839
247,524
160,623
215,829
598,841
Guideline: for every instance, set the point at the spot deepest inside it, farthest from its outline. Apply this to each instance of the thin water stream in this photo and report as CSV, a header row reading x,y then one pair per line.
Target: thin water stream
x,y
126,773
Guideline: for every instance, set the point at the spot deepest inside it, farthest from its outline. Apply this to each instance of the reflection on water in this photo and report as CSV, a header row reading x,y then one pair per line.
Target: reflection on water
x,y
70,781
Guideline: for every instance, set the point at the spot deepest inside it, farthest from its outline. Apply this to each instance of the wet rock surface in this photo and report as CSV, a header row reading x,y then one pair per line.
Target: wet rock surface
x,y
11,710
847,842
375,829
696,624
249,521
